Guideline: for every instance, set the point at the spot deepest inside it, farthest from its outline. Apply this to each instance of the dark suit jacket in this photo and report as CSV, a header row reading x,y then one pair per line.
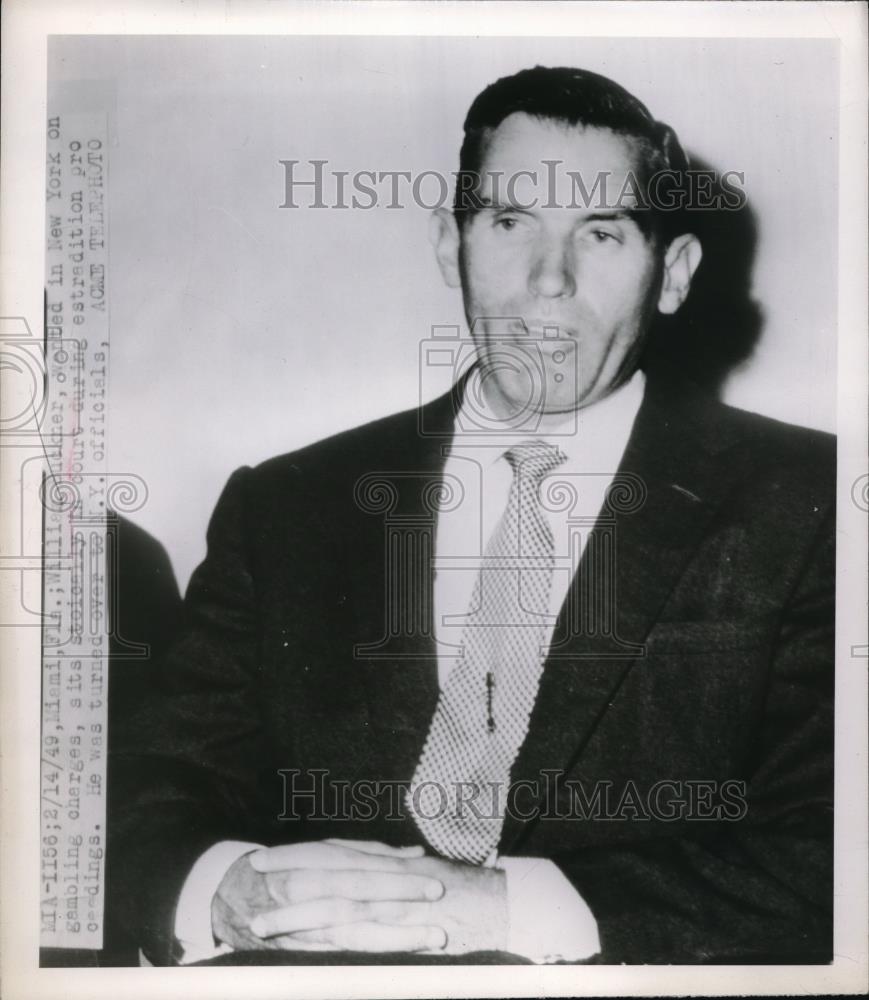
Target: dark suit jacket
x,y
724,580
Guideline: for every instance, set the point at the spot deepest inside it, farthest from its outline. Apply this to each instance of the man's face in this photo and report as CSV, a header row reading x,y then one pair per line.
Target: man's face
x,y
524,271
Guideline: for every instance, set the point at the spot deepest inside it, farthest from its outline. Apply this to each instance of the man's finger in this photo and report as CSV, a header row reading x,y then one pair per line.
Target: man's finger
x,y
374,937
322,855
301,885
377,847
323,913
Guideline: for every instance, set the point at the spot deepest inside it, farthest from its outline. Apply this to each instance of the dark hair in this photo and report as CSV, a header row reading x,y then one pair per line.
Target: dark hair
x,y
574,97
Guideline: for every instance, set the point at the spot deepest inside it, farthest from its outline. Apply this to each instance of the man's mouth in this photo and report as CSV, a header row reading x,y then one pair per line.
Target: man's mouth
x,y
544,330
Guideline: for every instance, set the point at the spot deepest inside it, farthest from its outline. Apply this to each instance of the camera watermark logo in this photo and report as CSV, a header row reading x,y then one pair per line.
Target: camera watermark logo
x,y
539,367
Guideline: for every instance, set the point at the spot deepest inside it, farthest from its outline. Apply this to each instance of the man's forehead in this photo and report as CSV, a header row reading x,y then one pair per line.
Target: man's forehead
x,y
558,154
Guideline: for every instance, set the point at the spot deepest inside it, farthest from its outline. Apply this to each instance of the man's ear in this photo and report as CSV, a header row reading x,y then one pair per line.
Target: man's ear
x,y
443,234
680,262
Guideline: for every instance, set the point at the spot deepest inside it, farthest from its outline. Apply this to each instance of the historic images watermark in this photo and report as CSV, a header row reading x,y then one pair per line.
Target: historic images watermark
x,y
313,795
313,183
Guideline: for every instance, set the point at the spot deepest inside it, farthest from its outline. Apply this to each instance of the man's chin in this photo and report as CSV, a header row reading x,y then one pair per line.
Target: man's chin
x,y
539,416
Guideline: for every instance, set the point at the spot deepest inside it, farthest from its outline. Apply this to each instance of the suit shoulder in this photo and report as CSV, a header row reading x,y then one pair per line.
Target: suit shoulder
x,y
776,436
791,459
351,449
781,441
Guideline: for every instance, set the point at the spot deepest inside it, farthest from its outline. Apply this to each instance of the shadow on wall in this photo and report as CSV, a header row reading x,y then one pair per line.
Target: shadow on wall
x,y
719,324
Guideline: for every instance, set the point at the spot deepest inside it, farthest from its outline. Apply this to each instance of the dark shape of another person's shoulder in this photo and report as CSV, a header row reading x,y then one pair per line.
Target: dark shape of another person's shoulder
x,y
145,576
145,611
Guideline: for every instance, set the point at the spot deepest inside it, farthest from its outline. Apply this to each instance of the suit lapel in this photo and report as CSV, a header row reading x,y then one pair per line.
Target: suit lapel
x,y
673,464
399,668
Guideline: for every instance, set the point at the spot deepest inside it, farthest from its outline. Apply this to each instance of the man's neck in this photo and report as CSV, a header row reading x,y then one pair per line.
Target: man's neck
x,y
545,422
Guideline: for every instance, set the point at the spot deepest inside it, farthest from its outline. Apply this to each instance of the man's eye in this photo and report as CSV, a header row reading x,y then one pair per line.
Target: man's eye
x,y
507,223
603,236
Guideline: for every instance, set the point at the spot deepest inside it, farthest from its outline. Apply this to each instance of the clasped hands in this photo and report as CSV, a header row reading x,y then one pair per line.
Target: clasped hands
x,y
340,895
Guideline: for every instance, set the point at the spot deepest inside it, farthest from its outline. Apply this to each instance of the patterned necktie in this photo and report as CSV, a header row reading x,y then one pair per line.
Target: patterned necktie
x,y
457,793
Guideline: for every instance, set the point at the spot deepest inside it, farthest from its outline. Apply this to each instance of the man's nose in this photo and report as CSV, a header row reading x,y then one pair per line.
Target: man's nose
x,y
552,273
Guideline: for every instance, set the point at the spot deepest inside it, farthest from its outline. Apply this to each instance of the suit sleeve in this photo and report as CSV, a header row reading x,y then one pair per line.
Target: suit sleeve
x,y
184,771
758,890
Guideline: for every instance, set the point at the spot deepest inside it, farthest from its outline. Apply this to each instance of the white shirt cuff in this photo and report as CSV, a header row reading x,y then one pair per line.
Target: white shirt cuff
x,y
193,915
549,920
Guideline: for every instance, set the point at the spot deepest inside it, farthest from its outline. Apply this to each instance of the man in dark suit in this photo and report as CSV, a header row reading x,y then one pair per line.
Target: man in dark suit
x,y
540,671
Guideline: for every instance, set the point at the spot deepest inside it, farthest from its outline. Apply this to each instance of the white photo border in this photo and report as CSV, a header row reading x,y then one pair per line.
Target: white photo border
x,y
26,26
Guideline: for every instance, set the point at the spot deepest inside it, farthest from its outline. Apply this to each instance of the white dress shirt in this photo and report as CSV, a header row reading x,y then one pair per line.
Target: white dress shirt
x,y
548,919
592,440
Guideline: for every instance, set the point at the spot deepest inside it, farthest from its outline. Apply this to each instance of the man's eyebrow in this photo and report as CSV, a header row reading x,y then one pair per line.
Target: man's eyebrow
x,y
486,201
614,215
603,215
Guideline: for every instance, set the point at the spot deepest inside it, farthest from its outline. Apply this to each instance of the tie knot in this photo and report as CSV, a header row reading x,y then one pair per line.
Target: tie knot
x,y
534,459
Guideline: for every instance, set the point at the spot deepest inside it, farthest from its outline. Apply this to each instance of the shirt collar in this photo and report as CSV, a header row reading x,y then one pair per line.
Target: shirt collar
x,y
590,437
